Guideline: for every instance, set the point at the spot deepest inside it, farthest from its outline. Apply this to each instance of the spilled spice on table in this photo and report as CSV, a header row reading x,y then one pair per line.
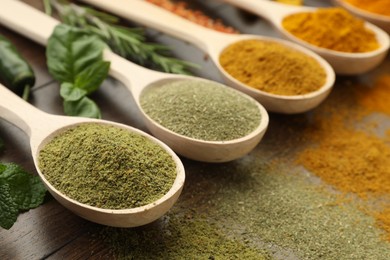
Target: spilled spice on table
x,y
287,212
349,153
181,238
351,160
181,8
383,218
376,98
265,204
252,209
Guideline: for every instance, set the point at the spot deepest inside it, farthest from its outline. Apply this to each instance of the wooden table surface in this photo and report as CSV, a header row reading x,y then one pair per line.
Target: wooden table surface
x,y
51,231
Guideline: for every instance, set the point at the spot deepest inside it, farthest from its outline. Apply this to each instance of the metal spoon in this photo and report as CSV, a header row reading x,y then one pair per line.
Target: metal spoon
x,y
342,62
381,21
42,127
38,26
213,43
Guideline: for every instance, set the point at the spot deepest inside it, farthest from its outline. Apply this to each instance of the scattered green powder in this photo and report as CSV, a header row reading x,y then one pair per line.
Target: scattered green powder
x,y
107,167
285,212
265,203
201,110
250,209
181,238
349,148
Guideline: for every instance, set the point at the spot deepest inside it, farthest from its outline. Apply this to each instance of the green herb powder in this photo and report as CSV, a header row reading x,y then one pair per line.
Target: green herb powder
x,y
107,167
202,110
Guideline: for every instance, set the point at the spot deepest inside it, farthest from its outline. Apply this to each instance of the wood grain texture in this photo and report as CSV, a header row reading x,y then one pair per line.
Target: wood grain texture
x,y
51,231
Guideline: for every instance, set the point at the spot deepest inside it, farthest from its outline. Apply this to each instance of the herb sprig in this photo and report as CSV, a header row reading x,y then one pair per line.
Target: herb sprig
x,y
129,43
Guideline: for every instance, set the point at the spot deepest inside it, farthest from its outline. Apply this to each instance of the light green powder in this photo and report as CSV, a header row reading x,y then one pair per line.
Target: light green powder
x,y
201,109
107,167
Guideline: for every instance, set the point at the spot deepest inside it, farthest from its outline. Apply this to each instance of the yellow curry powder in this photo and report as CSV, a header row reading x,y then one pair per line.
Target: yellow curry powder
x,y
381,7
383,218
348,153
377,97
332,28
272,67
352,161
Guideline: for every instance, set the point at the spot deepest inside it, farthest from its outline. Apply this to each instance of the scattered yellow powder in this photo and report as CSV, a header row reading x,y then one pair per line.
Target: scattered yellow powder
x,y
351,160
377,97
383,219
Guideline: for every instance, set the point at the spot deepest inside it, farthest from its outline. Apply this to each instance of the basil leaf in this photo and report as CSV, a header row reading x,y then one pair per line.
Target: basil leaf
x,y
71,50
70,93
75,58
92,77
83,107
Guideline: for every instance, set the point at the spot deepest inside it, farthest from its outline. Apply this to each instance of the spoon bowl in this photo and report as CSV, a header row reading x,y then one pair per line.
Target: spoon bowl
x,y
121,69
213,43
382,21
342,62
42,127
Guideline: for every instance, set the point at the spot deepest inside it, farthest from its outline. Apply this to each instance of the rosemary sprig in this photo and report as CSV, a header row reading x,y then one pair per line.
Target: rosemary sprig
x,y
129,43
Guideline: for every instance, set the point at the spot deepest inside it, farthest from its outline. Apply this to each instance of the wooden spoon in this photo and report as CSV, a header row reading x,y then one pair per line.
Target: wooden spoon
x,y
381,21
42,127
342,62
213,43
38,27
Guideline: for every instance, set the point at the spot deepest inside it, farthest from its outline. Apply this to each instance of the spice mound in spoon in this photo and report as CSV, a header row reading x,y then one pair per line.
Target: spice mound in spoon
x,y
272,67
333,29
201,109
107,167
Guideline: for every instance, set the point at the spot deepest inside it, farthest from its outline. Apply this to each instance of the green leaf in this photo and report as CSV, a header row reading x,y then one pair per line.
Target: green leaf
x,y
21,184
38,192
70,93
92,77
70,50
84,107
8,208
19,191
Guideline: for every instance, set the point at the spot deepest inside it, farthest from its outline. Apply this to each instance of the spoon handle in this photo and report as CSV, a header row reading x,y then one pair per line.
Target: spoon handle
x,y
157,18
38,26
272,11
27,20
20,113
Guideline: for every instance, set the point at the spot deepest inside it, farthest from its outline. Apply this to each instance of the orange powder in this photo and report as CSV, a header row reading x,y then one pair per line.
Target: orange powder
x,y
351,160
381,7
377,97
383,219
